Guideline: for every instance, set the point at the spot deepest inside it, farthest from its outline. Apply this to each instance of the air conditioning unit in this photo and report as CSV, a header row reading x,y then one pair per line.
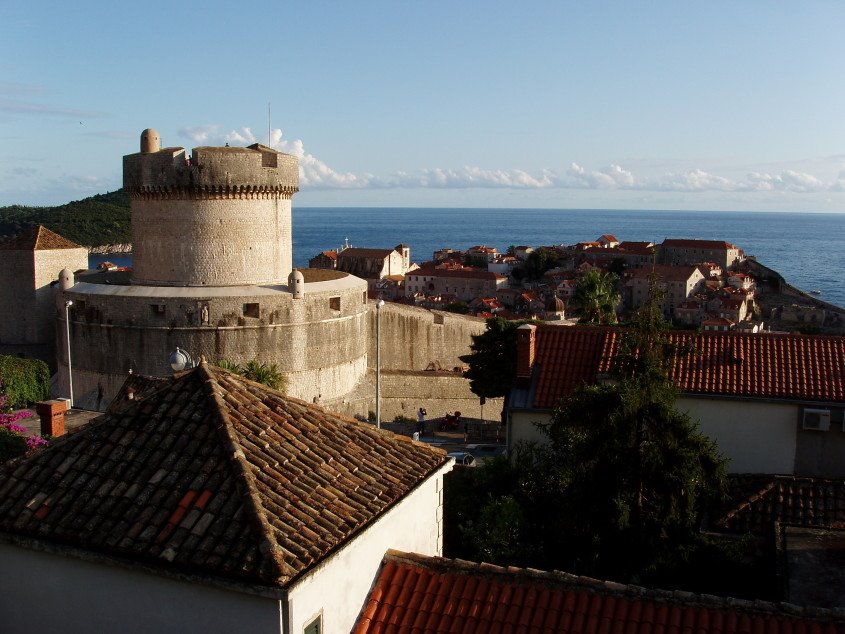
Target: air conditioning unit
x,y
817,419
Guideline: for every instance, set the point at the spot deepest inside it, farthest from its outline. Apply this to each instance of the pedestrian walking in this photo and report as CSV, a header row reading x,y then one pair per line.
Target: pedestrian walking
x,y
421,413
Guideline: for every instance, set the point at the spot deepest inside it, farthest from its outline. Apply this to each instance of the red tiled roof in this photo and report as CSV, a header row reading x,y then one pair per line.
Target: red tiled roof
x,y
414,593
608,237
355,252
795,367
763,500
39,238
213,475
698,244
428,270
665,272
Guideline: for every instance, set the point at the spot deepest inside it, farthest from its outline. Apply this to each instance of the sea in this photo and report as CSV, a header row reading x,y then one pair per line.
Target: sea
x,y
807,249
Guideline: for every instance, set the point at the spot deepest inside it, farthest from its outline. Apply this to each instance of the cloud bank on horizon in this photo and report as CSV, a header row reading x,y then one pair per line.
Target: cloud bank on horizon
x,y
317,175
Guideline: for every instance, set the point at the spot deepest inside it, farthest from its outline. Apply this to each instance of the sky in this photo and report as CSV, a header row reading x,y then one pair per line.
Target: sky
x,y
556,104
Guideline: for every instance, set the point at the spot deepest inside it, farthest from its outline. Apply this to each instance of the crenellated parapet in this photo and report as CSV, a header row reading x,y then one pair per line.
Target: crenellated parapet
x,y
220,192
211,169
219,217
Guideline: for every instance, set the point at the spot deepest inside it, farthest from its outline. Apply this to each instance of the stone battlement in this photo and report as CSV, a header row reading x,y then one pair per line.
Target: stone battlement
x,y
216,171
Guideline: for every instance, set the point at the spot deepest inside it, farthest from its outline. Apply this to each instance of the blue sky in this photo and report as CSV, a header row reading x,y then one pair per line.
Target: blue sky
x,y
632,105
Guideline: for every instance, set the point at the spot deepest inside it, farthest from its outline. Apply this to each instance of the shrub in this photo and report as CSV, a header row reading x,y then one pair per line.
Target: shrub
x,y
26,381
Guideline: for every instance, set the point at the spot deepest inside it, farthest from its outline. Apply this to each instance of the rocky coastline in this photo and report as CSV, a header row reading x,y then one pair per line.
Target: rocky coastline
x,y
106,249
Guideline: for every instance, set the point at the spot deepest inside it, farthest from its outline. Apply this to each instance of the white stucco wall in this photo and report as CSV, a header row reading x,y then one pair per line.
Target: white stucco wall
x,y
41,592
756,437
337,589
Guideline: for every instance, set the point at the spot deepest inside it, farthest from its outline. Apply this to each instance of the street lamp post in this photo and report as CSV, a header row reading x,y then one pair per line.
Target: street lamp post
x,y
379,304
68,304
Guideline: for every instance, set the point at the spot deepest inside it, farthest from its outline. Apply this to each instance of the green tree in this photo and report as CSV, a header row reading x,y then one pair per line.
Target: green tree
x,y
621,485
595,294
539,261
492,362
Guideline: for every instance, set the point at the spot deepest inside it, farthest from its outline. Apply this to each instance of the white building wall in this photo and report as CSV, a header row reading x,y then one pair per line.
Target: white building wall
x,y
42,592
337,589
756,437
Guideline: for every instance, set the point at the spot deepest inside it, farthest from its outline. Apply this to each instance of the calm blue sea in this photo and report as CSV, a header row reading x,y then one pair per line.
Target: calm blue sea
x,y
808,249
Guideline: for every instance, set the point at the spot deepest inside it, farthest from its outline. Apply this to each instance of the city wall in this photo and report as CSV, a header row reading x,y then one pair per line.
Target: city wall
x,y
417,339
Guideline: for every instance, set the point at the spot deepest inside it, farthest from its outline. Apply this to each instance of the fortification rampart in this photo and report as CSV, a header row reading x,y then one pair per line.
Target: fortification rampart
x,y
210,169
418,339
439,393
315,341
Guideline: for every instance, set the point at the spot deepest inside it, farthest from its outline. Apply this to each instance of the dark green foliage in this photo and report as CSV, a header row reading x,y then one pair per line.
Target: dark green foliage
x,y
492,363
458,307
27,381
541,260
595,294
264,373
619,489
98,220
11,445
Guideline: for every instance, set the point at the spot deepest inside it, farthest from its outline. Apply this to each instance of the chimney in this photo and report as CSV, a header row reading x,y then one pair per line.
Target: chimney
x,y
525,338
52,415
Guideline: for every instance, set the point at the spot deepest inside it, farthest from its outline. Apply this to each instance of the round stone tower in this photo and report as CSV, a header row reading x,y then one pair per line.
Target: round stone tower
x,y
219,217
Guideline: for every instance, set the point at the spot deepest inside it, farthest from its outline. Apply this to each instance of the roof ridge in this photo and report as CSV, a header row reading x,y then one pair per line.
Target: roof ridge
x,y
627,591
268,544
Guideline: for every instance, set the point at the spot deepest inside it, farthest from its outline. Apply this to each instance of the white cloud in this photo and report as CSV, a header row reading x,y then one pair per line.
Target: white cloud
x,y
316,174
199,133
787,180
691,181
612,177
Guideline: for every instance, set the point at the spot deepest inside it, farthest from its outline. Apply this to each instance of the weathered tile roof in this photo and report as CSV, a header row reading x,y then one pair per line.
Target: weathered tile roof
x,y
414,593
39,238
697,244
760,501
359,252
668,272
794,367
216,475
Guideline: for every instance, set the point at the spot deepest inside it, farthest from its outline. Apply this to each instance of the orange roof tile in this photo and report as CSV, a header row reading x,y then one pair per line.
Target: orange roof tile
x,y
697,244
415,593
39,238
796,367
215,475
760,501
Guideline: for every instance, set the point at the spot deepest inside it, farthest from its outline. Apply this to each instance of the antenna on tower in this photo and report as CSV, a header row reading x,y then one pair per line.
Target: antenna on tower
x,y
269,142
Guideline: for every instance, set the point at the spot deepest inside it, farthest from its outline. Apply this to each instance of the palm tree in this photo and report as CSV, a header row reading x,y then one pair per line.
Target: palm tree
x,y
595,292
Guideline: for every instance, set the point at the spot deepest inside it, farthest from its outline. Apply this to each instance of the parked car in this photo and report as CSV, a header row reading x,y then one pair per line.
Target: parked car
x,y
463,459
484,452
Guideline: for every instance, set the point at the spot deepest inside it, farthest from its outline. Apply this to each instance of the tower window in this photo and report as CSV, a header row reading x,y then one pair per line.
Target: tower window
x,y
334,303
251,310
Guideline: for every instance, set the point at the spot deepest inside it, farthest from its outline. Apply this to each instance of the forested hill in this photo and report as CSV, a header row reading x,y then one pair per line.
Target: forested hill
x,y
90,222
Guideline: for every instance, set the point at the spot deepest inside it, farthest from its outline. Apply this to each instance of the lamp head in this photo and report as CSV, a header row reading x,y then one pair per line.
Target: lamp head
x,y
180,359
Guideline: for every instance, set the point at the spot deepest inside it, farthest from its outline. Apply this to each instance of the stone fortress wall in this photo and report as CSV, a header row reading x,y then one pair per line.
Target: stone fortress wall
x,y
212,238
221,217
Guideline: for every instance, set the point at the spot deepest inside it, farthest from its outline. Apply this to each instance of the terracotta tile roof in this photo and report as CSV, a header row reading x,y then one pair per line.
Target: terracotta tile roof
x,y
795,367
697,244
760,501
214,475
414,593
39,238
608,237
429,270
355,252
666,272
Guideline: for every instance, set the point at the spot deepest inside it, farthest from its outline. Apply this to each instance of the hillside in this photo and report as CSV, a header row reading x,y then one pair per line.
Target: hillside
x,y
98,220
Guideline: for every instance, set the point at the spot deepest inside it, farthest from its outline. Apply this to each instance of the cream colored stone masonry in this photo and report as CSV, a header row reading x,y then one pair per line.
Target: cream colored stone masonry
x,y
212,242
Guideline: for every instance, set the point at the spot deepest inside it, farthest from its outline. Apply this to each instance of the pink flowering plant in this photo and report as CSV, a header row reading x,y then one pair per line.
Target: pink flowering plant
x,y
13,442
